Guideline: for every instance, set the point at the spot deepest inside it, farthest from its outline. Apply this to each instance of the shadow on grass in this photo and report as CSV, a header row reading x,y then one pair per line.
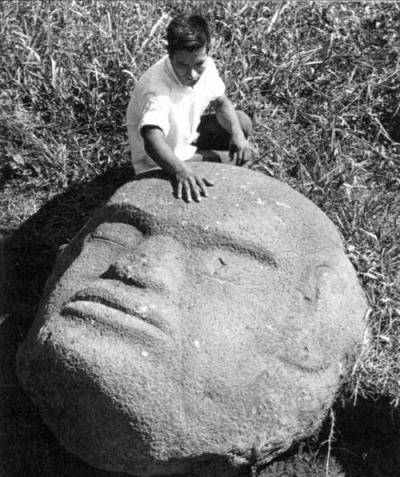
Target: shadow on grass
x,y
27,447
367,436
368,439
365,443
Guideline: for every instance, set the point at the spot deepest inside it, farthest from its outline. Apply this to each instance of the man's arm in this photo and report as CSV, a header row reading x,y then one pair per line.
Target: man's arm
x,y
227,117
186,182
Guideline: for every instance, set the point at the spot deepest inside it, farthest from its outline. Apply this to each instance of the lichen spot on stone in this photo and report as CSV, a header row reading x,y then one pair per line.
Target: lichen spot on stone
x,y
280,221
281,204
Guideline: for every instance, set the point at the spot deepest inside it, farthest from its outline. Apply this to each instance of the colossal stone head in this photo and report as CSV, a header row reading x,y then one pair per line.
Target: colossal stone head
x,y
199,337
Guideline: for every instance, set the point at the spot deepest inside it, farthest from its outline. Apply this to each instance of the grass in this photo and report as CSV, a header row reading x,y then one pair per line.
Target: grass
x,y
321,77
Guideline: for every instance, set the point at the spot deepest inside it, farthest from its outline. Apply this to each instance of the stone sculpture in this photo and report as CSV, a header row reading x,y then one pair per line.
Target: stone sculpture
x,y
198,338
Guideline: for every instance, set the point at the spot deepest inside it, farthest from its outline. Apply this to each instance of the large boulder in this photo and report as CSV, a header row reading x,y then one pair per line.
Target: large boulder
x,y
200,337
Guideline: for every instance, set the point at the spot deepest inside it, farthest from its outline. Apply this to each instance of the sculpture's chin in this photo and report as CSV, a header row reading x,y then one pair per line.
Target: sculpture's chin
x,y
121,410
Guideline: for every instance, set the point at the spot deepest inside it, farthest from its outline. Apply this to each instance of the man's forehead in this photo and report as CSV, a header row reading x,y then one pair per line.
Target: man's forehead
x,y
190,55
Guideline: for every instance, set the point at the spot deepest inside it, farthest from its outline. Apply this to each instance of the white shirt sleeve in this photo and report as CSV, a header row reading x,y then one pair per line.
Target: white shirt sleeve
x,y
214,81
156,112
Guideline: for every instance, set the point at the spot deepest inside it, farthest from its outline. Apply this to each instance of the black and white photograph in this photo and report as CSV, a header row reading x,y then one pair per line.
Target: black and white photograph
x,y
199,238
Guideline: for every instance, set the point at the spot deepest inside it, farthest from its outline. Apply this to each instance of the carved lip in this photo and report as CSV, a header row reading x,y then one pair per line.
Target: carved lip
x,y
105,304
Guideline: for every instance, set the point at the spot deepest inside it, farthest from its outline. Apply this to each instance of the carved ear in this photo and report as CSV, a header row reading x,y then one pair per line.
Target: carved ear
x,y
320,281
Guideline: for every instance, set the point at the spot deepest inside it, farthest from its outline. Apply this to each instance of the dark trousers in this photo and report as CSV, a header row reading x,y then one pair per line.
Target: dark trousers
x,y
213,141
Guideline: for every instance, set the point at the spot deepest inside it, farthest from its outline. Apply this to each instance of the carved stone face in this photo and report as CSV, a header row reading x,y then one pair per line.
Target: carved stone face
x,y
188,330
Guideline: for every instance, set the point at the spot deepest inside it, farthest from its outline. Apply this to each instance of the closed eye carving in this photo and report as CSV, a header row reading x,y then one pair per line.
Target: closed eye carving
x,y
121,234
108,240
227,267
221,263
223,270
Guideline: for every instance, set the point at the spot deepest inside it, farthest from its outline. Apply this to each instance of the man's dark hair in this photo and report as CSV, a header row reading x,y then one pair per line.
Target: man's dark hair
x,y
188,32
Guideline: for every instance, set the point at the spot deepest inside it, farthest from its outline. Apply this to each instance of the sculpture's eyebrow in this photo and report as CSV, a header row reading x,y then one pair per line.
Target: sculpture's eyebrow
x,y
234,243
114,213
195,235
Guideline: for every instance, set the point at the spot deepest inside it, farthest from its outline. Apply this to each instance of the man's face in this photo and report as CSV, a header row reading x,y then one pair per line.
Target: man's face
x,y
189,65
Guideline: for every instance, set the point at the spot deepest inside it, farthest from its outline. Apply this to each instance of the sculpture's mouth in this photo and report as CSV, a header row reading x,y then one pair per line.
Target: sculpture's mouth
x,y
108,308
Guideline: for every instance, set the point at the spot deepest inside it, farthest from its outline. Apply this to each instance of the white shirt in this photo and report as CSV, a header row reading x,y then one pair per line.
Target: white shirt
x,y
160,99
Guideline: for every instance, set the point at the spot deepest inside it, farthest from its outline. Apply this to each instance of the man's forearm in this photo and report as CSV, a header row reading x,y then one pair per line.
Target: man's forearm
x,y
239,149
227,117
161,153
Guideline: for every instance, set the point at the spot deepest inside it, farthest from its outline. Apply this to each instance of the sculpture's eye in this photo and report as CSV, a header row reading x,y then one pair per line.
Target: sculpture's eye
x,y
215,266
232,268
220,267
125,235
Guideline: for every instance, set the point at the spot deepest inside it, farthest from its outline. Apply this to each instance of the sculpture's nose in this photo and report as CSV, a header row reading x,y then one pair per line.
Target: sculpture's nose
x,y
157,263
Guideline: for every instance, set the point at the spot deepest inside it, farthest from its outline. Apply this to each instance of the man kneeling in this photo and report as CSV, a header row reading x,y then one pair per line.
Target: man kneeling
x,y
165,120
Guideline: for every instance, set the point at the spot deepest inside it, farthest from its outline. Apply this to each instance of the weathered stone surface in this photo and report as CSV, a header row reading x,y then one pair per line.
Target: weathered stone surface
x,y
177,337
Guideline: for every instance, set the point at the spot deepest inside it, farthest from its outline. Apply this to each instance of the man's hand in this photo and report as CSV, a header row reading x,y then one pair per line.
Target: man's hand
x,y
189,185
239,149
